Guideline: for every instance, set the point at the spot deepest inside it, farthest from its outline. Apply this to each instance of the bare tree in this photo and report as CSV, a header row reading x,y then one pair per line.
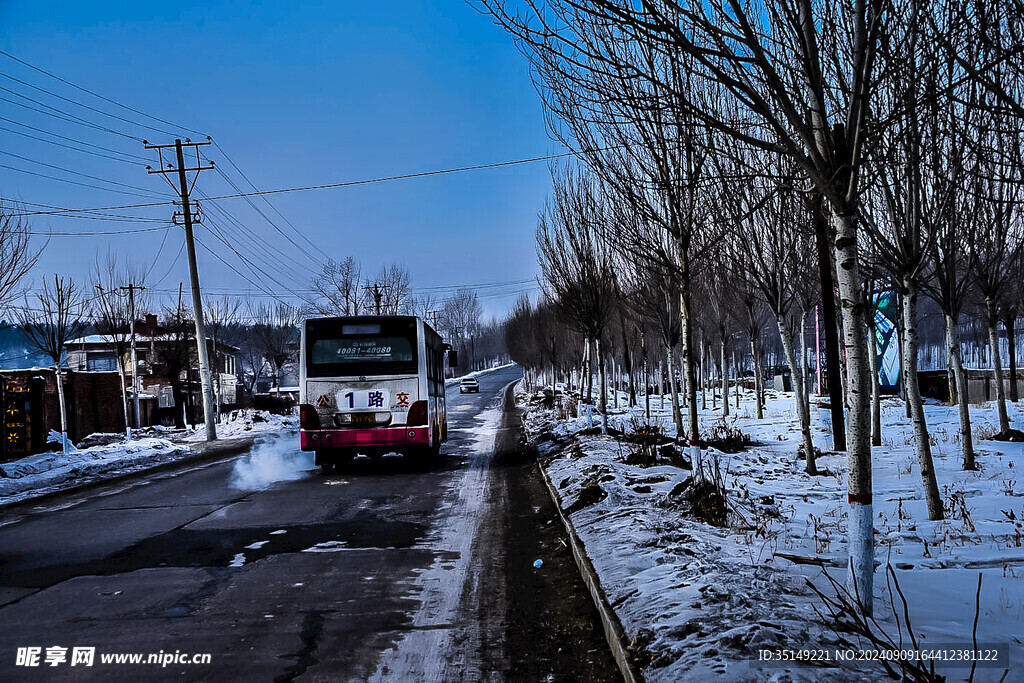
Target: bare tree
x,y
176,351
576,261
275,326
799,78
252,361
337,289
17,257
221,322
772,247
49,328
999,234
114,310
460,318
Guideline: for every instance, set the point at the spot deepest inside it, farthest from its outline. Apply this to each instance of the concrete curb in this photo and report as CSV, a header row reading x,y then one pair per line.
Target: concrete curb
x,y
200,452
613,631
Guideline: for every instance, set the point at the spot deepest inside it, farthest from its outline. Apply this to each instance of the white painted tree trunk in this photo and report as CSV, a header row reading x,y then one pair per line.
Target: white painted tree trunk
x,y
924,451
63,411
124,398
953,353
861,548
997,366
604,386
798,399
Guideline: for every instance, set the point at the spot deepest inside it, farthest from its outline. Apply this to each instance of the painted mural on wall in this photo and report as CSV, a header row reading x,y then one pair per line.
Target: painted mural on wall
x,y
886,341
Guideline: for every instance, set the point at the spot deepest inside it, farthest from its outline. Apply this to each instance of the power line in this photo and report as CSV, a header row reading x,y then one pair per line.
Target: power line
x,y
80,142
58,114
350,183
71,182
86,106
73,149
95,94
269,203
238,272
245,236
99,233
260,212
77,173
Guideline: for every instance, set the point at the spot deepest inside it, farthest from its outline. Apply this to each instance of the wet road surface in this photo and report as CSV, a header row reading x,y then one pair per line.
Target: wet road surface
x,y
386,570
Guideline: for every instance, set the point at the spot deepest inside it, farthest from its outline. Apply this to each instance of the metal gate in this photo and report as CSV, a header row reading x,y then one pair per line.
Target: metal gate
x,y
22,401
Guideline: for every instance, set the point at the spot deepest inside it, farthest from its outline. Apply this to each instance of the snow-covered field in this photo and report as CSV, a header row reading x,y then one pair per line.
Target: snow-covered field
x,y
43,473
700,601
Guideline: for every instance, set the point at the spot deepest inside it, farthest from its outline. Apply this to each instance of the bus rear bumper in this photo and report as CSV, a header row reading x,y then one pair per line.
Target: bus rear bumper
x,y
319,439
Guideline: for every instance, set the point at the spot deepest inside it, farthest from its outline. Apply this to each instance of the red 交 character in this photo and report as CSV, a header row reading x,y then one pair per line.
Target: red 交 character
x,y
402,398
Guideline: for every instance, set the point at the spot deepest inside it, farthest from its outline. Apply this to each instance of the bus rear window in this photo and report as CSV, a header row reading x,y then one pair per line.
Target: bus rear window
x,y
345,350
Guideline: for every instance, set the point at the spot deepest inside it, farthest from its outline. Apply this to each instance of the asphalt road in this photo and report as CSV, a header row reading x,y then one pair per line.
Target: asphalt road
x,y
383,571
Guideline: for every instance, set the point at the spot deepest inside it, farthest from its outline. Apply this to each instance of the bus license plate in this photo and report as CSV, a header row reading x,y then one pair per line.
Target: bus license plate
x,y
364,419
356,399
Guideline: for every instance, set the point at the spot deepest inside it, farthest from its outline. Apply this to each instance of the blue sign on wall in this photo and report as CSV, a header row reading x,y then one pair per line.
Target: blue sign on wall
x,y
886,340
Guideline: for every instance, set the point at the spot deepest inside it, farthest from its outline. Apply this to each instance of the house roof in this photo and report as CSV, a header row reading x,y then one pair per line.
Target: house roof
x,y
105,340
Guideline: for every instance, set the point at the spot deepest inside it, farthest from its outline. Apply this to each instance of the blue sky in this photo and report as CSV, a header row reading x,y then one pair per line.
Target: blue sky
x,y
295,94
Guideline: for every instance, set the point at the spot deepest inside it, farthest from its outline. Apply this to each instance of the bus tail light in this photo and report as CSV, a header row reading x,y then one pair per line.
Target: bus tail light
x,y
308,417
417,414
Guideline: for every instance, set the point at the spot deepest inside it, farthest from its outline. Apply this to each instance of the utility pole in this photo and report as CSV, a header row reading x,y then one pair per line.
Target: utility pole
x,y
197,299
377,292
131,287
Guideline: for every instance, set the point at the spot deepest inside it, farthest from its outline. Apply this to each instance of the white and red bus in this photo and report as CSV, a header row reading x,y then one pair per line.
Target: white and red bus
x,y
370,385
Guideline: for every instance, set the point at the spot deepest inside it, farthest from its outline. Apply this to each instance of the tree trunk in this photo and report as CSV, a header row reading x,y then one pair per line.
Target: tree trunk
x,y
833,364
802,414
124,398
677,414
951,380
63,411
861,543
703,377
924,452
725,372
179,403
1010,320
604,386
803,359
876,389
758,381
661,383
997,365
588,361
647,386
689,374
736,372
953,352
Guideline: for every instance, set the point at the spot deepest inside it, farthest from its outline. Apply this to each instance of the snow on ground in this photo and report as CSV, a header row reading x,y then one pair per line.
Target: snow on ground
x,y
47,472
699,601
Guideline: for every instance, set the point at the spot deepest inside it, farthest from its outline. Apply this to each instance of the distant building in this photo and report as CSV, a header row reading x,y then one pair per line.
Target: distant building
x,y
98,353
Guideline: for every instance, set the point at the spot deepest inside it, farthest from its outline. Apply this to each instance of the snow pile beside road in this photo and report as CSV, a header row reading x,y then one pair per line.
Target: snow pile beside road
x,y
46,472
246,423
698,602
43,472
